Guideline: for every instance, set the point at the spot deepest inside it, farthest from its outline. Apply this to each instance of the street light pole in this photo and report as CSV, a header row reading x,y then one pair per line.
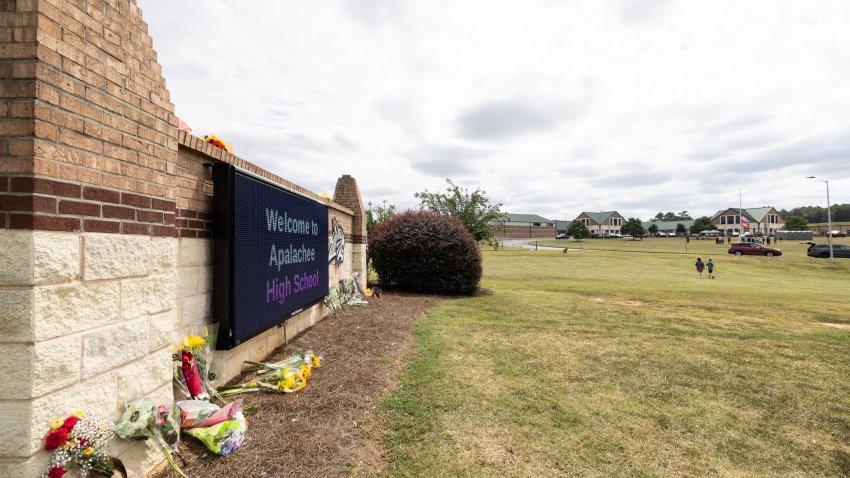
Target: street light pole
x,y
828,218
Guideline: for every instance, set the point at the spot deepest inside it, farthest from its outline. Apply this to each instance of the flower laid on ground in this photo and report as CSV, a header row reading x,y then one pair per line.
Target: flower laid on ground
x,y
287,376
80,443
193,367
218,142
221,429
346,291
141,419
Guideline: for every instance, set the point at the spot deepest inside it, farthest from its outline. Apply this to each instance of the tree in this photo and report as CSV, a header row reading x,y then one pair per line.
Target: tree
x,y
473,210
684,216
670,217
377,215
795,223
653,229
702,224
659,216
634,228
578,230
680,228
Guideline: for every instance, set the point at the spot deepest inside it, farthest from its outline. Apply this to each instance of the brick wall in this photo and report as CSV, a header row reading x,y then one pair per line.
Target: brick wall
x,y
84,104
105,222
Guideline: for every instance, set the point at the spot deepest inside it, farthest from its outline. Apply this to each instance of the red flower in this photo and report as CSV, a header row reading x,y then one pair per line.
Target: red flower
x,y
190,374
56,472
70,422
55,439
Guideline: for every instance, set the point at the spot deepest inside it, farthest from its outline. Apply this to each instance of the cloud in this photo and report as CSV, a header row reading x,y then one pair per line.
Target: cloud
x,y
818,153
631,180
374,13
513,117
643,12
446,161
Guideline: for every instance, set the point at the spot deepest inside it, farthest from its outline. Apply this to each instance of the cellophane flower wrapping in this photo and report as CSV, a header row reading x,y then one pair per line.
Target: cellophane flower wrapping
x,y
221,429
287,376
78,443
194,369
142,419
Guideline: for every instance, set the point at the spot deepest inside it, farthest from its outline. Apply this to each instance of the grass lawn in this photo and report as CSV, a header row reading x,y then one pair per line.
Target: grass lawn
x,y
626,364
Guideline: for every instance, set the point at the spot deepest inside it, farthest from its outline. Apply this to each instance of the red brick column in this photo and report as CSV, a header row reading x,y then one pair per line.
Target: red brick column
x,y
88,136
348,194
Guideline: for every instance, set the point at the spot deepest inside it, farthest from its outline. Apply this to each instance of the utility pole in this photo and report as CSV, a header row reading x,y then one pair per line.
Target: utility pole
x,y
828,218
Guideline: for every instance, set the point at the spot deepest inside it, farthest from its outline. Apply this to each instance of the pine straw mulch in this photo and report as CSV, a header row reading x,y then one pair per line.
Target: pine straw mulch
x,y
333,426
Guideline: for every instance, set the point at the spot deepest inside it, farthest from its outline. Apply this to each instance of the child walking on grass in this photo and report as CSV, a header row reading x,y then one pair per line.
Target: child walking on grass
x,y
700,265
710,267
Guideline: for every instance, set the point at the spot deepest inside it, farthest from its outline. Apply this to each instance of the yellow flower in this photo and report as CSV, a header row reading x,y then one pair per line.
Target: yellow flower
x,y
88,451
305,370
193,341
79,413
368,292
57,424
316,360
251,384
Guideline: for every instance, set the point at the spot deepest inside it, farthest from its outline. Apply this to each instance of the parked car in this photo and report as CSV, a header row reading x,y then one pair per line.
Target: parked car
x,y
753,249
561,236
822,250
838,234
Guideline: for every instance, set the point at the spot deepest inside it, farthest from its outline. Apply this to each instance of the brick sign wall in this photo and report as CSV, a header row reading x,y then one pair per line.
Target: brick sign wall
x,y
105,224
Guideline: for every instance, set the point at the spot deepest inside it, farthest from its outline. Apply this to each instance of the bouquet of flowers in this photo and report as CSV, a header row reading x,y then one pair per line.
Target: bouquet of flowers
x,y
141,420
193,368
346,291
287,376
332,300
218,142
78,442
221,429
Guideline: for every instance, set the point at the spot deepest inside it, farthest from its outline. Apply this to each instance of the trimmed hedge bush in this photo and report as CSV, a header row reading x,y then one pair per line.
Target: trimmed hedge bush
x,y
423,251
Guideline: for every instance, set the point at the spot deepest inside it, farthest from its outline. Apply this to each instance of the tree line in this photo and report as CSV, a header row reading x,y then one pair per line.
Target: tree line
x,y
840,213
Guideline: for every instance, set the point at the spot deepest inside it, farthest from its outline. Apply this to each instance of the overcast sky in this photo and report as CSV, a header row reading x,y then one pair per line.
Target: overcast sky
x,y
552,107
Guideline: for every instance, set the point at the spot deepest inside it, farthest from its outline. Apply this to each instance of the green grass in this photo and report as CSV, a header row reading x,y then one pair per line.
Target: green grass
x,y
626,364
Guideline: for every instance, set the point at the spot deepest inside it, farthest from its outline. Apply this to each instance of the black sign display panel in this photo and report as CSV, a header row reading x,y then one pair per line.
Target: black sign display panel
x,y
270,249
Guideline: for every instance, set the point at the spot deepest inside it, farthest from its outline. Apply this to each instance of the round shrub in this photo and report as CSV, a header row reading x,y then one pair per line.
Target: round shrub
x,y
423,251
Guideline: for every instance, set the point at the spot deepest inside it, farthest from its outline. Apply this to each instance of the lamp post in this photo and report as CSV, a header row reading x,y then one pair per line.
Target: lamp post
x,y
828,218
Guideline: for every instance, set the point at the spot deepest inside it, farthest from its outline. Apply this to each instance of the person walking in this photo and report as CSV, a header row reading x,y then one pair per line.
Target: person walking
x,y
709,266
700,265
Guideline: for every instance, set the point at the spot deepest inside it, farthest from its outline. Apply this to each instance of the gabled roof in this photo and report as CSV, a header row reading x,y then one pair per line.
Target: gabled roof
x,y
746,212
598,217
758,213
511,217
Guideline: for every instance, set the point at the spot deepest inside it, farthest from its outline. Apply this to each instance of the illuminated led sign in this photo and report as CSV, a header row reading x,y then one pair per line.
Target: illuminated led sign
x,y
269,248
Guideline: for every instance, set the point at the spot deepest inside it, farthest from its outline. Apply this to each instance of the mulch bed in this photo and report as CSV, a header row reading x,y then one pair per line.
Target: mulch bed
x,y
333,427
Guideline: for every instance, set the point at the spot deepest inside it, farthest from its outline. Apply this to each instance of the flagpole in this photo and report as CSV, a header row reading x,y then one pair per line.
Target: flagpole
x,y
740,216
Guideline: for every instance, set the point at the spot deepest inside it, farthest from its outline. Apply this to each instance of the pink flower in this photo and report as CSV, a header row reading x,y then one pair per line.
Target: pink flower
x,y
162,409
159,422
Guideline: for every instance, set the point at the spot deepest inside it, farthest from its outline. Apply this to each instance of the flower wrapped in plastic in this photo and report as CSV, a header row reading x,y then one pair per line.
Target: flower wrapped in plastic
x,y
78,443
287,376
221,429
194,367
140,419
